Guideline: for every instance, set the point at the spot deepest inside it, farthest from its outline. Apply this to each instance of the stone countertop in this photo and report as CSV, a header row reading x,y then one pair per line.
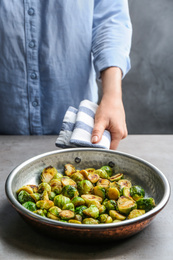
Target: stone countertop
x,y
19,241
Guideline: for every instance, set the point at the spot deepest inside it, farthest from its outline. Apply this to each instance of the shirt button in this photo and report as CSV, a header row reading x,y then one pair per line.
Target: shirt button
x,y
32,44
35,103
31,11
33,75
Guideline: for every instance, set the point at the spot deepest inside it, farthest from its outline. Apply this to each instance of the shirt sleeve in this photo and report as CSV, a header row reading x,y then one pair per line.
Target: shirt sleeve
x,y
112,33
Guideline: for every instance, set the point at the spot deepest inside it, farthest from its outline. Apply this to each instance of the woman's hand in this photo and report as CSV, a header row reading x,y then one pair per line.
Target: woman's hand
x,y
110,114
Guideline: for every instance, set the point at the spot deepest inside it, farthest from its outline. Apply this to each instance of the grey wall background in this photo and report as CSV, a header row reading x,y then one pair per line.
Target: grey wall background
x,y
148,87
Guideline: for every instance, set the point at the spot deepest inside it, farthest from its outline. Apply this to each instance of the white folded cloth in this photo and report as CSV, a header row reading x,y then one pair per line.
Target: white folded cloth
x,y
78,125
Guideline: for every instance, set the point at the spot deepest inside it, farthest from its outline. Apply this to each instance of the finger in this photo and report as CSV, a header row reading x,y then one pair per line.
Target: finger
x,y
97,132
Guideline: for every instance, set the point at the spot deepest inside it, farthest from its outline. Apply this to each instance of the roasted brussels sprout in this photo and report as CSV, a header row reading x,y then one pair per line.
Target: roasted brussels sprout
x,y
136,213
44,186
41,212
68,181
88,198
116,177
102,173
125,205
29,205
53,213
105,218
78,217
137,192
48,173
36,196
113,193
146,204
85,187
66,214
109,204
26,188
44,195
69,206
24,196
69,169
78,201
103,183
108,169
99,191
79,210
52,195
74,221
44,204
124,183
61,200
92,211
58,176
70,191
115,215
125,192
90,221
77,177
56,186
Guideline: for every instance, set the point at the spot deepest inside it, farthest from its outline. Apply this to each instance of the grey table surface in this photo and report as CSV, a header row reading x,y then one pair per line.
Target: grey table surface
x,y
19,241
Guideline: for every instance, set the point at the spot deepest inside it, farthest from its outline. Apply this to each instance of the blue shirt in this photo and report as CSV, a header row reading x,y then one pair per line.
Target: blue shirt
x,y
51,52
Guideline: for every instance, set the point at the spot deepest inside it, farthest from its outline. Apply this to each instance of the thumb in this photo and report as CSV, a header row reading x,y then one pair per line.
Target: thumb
x,y
97,131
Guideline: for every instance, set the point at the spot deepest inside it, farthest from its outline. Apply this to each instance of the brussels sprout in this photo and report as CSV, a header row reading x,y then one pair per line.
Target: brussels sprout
x,y
27,188
109,204
102,209
36,196
52,195
117,220
105,218
44,186
116,177
146,204
137,192
69,206
102,173
124,183
125,192
77,177
58,176
33,187
44,195
40,212
115,215
44,204
113,193
125,205
88,198
74,221
68,181
135,213
85,187
78,201
79,210
108,169
90,170
69,169
70,191
78,217
99,191
48,173
92,177
61,200
23,196
53,213
56,186
90,221
66,214
29,205
103,183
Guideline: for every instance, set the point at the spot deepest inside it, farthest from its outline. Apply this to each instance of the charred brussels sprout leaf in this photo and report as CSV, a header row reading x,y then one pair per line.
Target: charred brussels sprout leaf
x,y
116,177
137,192
136,213
30,205
108,169
124,183
26,188
104,183
146,204
70,191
